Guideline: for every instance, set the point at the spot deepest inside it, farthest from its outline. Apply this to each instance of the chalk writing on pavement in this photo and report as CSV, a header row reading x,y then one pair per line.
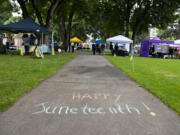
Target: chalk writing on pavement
x,y
46,108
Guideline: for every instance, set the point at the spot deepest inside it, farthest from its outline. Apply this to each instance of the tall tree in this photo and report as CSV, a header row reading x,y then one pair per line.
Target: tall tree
x,y
64,16
42,9
6,10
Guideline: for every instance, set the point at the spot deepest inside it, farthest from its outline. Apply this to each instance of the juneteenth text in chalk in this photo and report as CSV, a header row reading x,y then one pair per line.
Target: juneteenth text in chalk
x,y
86,109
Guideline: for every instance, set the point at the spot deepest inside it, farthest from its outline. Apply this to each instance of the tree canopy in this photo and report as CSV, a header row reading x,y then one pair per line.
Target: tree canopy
x,y
98,18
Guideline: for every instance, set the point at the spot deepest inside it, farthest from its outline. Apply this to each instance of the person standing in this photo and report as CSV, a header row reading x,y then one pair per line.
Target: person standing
x,y
72,46
116,49
102,48
94,49
171,51
7,47
111,48
32,39
26,42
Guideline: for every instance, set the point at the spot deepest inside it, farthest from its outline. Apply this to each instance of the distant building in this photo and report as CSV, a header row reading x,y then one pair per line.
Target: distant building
x,y
152,32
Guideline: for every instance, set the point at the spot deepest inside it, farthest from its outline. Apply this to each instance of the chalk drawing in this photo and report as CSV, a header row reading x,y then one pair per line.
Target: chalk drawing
x,y
147,108
85,110
95,96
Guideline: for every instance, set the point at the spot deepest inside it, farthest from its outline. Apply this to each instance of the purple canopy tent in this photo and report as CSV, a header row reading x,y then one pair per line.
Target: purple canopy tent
x,y
145,45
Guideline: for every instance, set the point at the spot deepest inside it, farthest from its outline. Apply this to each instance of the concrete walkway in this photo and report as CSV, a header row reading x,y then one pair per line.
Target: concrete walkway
x,y
89,96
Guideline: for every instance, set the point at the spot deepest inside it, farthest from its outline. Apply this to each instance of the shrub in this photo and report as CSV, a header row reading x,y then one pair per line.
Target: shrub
x,y
14,52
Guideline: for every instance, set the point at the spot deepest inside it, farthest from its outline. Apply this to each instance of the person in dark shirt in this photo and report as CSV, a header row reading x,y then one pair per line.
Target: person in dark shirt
x,y
32,39
102,48
111,48
116,49
94,49
26,42
7,47
171,51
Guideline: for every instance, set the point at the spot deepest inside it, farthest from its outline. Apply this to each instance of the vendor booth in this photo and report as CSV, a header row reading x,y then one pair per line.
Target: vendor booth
x,y
120,44
75,42
177,48
99,42
98,46
177,42
155,47
28,26
24,26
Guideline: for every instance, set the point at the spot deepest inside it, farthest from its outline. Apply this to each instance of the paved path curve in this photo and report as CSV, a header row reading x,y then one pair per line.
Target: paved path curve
x,y
89,96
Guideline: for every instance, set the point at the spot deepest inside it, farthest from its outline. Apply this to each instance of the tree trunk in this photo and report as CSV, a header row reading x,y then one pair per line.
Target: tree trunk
x,y
134,37
69,26
128,11
38,14
24,9
62,28
50,12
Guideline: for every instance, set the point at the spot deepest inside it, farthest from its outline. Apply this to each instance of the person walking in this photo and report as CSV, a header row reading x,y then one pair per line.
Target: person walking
x,y
26,42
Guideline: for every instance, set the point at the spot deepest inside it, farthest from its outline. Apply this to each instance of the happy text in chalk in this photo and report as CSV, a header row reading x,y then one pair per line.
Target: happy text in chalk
x,y
86,109
95,96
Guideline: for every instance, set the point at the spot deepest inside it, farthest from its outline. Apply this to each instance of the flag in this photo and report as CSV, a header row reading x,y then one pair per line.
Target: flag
x,y
52,46
131,58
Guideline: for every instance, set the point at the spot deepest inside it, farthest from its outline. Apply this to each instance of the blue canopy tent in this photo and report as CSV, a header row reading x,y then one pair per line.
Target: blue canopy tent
x,y
99,42
25,25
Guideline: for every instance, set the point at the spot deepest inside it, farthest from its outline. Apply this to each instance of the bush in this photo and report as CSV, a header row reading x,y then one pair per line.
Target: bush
x,y
14,52
2,49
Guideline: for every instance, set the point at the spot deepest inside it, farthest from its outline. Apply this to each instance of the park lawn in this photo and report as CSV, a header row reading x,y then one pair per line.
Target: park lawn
x,y
19,74
160,76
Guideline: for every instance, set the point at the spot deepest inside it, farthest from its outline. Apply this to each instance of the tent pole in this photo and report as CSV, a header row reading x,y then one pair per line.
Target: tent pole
x,y
42,40
52,45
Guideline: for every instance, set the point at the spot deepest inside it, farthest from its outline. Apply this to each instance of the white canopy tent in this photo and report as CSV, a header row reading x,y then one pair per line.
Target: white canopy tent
x,y
120,40
177,42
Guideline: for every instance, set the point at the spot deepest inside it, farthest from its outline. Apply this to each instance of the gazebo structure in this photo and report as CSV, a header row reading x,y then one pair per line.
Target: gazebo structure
x,y
28,25
146,44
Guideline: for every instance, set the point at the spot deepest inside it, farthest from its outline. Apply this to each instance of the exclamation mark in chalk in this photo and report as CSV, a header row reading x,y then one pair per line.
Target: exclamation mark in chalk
x,y
147,108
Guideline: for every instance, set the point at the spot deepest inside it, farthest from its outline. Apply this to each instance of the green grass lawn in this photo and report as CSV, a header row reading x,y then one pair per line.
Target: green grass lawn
x,y
160,76
19,74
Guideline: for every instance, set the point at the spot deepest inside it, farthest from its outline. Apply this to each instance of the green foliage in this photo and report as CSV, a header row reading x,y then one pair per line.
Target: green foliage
x,y
14,52
159,76
4,17
13,19
5,6
6,10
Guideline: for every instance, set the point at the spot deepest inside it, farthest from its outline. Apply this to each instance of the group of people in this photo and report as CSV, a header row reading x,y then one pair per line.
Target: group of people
x,y
71,47
169,51
117,50
98,48
27,41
